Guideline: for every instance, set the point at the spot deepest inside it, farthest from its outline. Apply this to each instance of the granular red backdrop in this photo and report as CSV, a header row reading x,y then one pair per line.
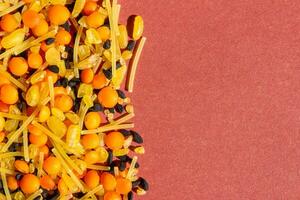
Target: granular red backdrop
x,y
217,98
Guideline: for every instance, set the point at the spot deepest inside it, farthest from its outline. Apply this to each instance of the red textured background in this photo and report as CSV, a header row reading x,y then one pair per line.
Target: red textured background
x,y
217,98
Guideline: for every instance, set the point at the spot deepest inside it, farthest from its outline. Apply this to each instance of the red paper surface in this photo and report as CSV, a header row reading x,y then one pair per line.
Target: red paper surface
x,y
217,98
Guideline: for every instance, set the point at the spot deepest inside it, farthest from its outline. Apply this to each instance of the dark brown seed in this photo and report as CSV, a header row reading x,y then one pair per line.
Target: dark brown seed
x,y
144,184
119,108
107,73
50,41
130,196
125,133
136,137
136,183
53,68
131,44
106,44
110,158
122,166
121,94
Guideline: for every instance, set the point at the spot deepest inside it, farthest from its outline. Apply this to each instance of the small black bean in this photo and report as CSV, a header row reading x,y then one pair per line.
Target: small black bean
x,y
19,176
125,132
119,108
58,83
37,198
76,105
50,41
122,166
136,137
130,195
67,64
106,23
107,73
136,183
79,195
66,26
122,158
118,64
121,94
53,68
64,82
131,44
110,158
111,168
144,184
97,107
106,44
111,110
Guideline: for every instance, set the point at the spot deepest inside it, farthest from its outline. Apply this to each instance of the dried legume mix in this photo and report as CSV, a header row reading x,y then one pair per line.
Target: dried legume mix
x,y
65,130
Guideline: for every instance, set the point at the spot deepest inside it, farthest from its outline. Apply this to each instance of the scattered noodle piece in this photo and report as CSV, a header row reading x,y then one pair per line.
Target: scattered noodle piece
x,y
40,164
14,81
7,171
75,54
51,90
108,127
12,8
131,168
4,183
133,64
25,145
98,167
34,195
13,116
91,192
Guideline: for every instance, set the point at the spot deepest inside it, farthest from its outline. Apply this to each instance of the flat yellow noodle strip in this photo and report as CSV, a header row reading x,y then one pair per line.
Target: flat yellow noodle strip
x,y
133,63
51,90
124,118
68,169
14,81
40,166
75,53
131,168
35,42
108,127
54,137
67,158
13,116
92,192
12,8
25,145
83,113
7,171
16,48
17,133
34,195
98,167
4,183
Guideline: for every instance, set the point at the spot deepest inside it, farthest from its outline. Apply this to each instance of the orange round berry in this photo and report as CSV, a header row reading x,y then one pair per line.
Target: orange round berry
x,y
18,66
114,140
31,18
9,94
89,7
108,97
95,19
99,81
52,165
108,181
92,179
38,140
112,196
47,183
92,120
63,102
58,14
63,37
41,29
9,23
87,75
35,60
90,141
124,185
29,183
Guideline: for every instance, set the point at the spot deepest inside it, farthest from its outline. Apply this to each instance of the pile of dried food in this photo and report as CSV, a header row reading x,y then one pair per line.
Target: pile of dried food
x,y
65,130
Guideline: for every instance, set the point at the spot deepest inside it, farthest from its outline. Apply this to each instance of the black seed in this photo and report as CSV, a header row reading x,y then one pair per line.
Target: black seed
x,y
67,64
107,73
64,82
53,68
50,41
58,83
70,6
97,107
121,94
55,197
137,165
37,198
119,108
130,195
23,54
122,158
131,44
73,82
79,195
136,183
125,132
2,51
66,26
111,110
144,184
1,184
45,194
20,106
19,158
19,176
122,166
106,23
13,147
110,157
118,64
136,137
106,44
76,105
111,168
